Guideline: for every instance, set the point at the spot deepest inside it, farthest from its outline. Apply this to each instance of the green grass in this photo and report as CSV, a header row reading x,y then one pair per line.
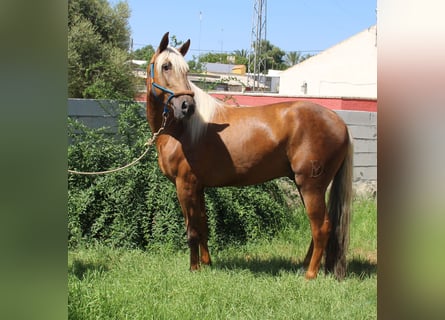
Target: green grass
x,y
259,280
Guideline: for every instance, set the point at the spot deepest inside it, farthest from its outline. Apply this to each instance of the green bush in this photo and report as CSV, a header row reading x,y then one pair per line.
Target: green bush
x,y
138,208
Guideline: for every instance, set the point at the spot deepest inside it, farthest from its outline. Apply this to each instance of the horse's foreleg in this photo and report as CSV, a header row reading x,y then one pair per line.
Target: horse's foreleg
x,y
204,232
189,201
203,240
193,242
320,228
308,257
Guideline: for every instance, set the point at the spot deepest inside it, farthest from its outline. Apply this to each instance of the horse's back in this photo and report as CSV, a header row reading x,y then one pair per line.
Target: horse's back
x,y
304,122
304,114
318,122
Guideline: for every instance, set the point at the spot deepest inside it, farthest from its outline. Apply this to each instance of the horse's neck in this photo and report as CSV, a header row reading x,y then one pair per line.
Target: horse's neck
x,y
154,115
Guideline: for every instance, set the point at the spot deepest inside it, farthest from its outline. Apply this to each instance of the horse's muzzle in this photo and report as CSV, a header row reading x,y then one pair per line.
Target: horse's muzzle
x,y
183,106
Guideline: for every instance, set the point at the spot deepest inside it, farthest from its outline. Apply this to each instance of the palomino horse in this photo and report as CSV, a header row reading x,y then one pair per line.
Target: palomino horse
x,y
202,143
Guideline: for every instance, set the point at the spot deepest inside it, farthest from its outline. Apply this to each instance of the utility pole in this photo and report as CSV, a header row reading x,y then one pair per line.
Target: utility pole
x,y
200,29
257,62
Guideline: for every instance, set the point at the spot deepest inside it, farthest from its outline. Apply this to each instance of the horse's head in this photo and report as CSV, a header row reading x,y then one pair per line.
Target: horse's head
x,y
168,80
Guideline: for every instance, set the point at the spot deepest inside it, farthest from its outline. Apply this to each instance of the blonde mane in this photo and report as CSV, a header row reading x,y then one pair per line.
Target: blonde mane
x,y
206,105
206,108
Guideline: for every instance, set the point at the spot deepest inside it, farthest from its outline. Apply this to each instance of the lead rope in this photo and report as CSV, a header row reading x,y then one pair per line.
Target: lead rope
x,y
148,144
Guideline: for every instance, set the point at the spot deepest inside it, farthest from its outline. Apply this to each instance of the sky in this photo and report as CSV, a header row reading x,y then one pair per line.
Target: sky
x,y
308,26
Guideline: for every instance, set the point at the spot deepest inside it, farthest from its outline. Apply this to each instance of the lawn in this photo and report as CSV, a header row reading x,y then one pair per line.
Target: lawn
x,y
259,280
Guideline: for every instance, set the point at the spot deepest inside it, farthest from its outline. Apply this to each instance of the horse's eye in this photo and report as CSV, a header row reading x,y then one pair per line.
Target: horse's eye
x,y
166,66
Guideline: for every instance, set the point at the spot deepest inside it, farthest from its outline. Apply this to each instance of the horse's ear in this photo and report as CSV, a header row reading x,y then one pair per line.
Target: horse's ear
x,y
164,43
185,47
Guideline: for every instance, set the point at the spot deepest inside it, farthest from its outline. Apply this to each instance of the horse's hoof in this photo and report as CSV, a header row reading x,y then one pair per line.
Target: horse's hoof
x,y
194,268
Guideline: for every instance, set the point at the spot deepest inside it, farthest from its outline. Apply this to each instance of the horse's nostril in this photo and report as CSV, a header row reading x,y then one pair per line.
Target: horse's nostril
x,y
188,108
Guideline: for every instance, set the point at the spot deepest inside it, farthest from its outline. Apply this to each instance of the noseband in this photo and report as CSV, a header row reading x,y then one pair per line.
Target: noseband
x,y
170,93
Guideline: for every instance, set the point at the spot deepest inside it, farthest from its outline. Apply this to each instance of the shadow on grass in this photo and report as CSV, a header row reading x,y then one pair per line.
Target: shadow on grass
x,y
80,268
273,266
361,268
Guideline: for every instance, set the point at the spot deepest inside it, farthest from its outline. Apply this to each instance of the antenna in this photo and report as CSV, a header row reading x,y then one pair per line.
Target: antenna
x,y
257,62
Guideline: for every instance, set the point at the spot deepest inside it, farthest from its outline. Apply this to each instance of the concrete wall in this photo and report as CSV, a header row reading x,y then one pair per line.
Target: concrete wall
x,y
362,125
363,128
94,113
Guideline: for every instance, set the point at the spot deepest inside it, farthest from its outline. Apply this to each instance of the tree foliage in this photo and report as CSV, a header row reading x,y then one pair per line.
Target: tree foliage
x,y
295,57
98,40
144,53
147,52
272,56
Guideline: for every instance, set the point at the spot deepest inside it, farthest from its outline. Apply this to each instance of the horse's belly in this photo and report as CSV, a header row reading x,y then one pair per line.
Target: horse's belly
x,y
241,175
243,162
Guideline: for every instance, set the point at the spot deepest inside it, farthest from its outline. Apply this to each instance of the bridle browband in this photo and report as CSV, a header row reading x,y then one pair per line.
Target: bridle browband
x,y
164,89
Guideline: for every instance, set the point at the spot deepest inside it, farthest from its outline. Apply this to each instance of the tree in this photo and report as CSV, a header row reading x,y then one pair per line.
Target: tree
x,y
241,53
213,57
144,53
147,52
241,57
292,58
98,41
272,55
195,65
174,42
295,57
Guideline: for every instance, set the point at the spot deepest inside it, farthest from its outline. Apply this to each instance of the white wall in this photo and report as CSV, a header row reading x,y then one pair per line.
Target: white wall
x,y
348,69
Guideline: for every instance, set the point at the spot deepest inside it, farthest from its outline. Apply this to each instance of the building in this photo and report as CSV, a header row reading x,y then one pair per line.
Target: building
x,y
348,69
232,78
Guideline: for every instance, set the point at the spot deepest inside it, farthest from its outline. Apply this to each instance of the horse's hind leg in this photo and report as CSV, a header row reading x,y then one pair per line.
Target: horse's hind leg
x,y
308,257
320,228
